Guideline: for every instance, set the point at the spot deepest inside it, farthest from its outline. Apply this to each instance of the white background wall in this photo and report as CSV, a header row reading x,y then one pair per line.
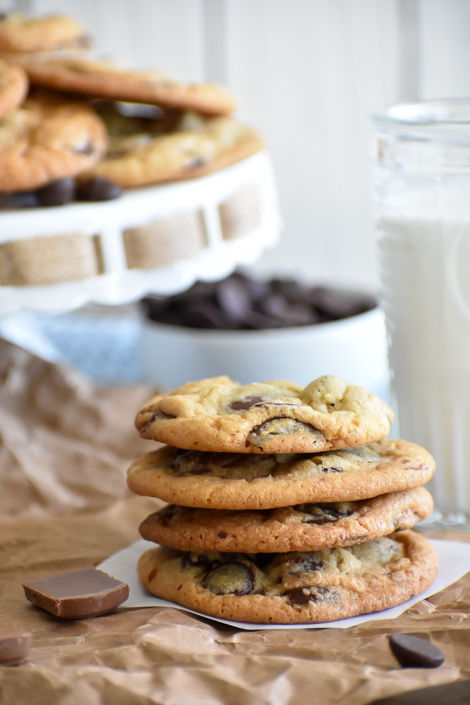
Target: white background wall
x,y
308,73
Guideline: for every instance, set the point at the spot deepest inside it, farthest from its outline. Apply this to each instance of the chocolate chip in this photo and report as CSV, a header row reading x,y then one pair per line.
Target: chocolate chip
x,y
165,515
322,513
314,593
331,470
300,563
194,462
233,297
98,189
202,313
57,193
334,303
283,426
247,303
299,596
246,403
263,560
22,199
190,559
413,651
230,579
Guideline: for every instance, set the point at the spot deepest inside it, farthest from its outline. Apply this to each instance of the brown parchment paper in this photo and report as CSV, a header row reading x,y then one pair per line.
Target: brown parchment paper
x,y
65,506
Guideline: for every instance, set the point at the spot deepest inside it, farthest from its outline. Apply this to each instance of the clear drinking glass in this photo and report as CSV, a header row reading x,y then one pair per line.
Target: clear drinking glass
x,y
422,190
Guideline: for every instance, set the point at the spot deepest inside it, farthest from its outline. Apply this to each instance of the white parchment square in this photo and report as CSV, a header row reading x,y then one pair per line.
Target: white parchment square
x,y
454,563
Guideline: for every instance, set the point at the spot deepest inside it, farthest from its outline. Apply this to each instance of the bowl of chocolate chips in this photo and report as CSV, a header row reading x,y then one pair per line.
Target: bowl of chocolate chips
x,y
251,328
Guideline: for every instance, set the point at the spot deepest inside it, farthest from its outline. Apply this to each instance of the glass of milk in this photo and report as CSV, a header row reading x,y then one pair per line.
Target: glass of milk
x,y
422,190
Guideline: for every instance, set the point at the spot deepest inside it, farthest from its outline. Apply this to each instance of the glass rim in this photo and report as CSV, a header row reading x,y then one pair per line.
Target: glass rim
x,y
425,113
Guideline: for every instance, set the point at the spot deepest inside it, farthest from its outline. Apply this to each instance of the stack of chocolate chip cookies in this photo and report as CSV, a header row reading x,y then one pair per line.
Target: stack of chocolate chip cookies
x,y
286,505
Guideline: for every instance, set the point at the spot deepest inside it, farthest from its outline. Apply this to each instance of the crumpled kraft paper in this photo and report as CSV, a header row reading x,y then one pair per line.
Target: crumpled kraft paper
x,y
64,444
73,511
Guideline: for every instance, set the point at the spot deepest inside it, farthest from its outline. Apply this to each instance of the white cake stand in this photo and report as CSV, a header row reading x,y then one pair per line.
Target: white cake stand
x,y
118,284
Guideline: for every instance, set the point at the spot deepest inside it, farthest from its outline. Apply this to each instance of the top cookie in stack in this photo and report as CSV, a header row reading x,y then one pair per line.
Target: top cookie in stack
x,y
284,501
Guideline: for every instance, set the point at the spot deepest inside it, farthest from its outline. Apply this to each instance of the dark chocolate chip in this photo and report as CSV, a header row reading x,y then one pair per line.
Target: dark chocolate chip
x,y
337,303
413,651
190,559
98,189
255,320
22,199
263,560
165,515
256,288
222,534
289,288
299,596
270,428
57,193
233,297
230,579
300,563
194,462
246,403
204,313
322,513
315,593
241,302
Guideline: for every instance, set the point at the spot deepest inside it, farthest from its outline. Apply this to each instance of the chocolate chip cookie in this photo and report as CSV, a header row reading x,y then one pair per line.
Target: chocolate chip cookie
x,y
46,139
173,146
296,587
13,87
303,527
253,481
220,415
22,34
105,79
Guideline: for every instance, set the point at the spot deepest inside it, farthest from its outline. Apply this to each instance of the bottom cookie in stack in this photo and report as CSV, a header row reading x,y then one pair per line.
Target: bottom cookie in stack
x,y
231,548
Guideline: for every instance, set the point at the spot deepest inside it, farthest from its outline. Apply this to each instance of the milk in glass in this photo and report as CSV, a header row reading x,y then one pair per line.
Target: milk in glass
x,y
422,186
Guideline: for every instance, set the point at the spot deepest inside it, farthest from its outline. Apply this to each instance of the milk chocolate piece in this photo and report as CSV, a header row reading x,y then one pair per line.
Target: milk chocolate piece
x,y
455,693
412,651
13,649
76,595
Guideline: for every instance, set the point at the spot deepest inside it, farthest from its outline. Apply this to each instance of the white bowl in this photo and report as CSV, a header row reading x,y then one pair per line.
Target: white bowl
x,y
353,348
